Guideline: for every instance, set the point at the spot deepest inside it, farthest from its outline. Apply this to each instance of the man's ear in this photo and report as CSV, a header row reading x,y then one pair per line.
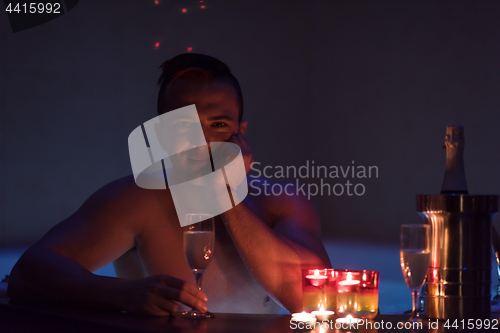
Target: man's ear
x,y
243,126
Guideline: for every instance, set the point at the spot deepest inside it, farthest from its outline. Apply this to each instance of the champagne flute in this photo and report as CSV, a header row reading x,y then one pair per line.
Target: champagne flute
x,y
199,239
415,253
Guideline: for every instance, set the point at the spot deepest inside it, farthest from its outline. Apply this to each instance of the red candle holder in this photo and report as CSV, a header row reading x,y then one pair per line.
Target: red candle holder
x,y
357,293
319,289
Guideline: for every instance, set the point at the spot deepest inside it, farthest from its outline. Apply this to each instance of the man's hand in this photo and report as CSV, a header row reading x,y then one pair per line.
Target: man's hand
x,y
156,295
246,152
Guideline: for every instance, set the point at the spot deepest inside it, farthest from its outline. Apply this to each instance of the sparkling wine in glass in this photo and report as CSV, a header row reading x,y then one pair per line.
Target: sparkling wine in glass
x,y
415,252
199,239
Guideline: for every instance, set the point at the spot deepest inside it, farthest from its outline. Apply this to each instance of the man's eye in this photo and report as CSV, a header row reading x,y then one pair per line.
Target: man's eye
x,y
218,124
183,124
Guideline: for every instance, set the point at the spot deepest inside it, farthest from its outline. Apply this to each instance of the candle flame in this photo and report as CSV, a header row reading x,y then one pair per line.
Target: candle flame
x,y
349,281
349,319
316,272
322,308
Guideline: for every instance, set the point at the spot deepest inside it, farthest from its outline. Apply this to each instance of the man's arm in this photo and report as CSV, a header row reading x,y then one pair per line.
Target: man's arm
x,y
276,256
59,267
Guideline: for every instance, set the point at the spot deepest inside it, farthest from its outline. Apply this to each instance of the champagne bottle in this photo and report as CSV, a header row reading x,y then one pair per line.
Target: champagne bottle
x,y
454,176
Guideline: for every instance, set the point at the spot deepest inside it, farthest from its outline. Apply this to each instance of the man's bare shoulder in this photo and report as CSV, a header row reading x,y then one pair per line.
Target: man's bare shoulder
x,y
108,223
123,199
281,197
294,215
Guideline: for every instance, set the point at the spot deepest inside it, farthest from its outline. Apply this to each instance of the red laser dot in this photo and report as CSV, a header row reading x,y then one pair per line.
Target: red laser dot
x,y
201,0
184,10
444,147
190,49
156,2
202,6
157,45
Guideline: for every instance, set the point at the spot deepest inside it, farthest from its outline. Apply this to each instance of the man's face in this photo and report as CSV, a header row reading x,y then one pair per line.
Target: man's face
x,y
217,106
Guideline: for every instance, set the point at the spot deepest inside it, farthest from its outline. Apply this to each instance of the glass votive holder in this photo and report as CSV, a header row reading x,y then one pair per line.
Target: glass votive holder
x,y
319,291
357,293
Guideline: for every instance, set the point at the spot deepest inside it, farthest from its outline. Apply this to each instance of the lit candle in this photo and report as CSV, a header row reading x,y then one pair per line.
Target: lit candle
x,y
349,319
357,294
304,317
317,280
348,292
323,314
348,281
319,288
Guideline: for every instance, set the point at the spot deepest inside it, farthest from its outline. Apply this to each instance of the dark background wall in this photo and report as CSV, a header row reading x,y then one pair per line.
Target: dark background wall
x,y
329,81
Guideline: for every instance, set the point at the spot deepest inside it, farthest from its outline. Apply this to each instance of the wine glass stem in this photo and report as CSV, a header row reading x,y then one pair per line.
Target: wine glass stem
x,y
414,295
198,277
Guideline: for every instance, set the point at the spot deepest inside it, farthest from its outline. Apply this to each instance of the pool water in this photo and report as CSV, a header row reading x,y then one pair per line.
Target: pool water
x,y
394,295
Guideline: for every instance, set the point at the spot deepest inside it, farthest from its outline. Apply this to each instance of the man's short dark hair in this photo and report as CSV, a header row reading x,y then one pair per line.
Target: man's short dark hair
x,y
196,66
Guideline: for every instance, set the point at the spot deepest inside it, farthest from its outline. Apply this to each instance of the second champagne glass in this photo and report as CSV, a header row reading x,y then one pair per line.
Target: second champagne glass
x,y
415,253
199,239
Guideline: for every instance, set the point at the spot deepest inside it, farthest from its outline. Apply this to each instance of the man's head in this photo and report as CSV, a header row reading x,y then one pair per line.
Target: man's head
x,y
195,69
208,84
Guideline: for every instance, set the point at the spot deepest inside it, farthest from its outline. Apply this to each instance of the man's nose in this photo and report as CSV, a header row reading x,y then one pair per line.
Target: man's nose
x,y
196,138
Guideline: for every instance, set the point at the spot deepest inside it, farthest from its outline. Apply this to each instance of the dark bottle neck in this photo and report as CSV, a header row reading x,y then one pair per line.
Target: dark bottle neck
x,y
454,177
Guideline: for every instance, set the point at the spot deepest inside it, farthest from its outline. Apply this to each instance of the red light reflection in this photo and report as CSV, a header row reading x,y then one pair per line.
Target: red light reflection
x,y
190,49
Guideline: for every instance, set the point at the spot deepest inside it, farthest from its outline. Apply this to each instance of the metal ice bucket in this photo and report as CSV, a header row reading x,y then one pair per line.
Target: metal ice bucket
x,y
459,273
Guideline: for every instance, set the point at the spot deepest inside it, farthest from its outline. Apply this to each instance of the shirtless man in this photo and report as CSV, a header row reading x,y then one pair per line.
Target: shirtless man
x,y
261,244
